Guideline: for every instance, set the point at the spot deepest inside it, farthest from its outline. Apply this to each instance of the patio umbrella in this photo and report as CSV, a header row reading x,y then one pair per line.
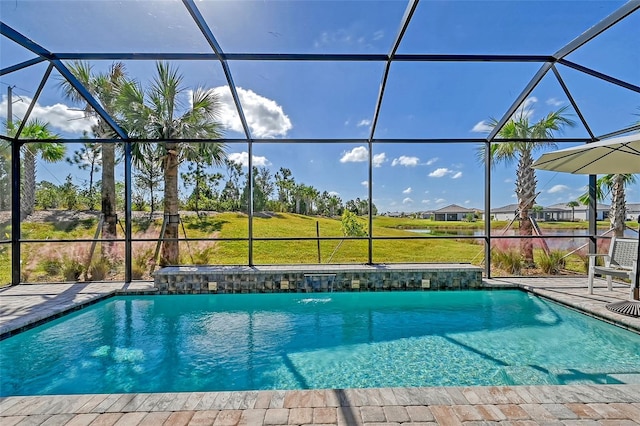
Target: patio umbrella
x,y
617,155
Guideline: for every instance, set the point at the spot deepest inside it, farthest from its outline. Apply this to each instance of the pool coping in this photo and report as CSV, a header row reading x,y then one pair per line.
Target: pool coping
x,y
524,405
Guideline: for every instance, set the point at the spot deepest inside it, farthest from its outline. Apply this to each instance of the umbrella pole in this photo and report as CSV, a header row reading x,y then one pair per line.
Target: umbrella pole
x,y
635,292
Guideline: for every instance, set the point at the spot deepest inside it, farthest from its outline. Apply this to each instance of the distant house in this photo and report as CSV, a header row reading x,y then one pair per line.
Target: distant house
x,y
452,213
426,215
562,212
555,212
633,211
507,212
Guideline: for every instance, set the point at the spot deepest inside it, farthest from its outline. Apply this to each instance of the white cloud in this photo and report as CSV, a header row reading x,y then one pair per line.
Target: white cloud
x,y
337,194
482,127
438,173
266,119
356,155
457,175
431,161
508,180
555,102
440,200
558,188
524,110
363,123
347,37
407,201
61,117
467,201
426,201
406,161
378,159
243,158
407,191
365,183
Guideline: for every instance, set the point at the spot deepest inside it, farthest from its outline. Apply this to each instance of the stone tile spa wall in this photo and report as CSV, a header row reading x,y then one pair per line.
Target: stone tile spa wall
x,y
315,278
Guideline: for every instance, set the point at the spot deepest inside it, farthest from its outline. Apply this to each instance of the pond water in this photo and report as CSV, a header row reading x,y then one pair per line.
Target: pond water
x,y
578,236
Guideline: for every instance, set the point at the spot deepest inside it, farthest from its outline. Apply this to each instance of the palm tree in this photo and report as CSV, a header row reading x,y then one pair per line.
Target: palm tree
x,y
573,204
309,196
615,185
48,151
105,87
88,157
285,183
334,204
519,143
158,113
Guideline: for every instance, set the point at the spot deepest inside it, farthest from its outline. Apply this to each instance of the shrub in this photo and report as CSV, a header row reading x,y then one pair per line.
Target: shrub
x,y
51,267
553,262
142,260
72,268
508,260
99,269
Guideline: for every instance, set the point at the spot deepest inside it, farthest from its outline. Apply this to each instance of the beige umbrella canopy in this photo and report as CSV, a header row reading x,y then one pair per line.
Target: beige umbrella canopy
x,y
611,156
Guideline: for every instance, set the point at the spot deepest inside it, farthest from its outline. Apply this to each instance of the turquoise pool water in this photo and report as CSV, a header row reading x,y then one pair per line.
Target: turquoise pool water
x,y
328,340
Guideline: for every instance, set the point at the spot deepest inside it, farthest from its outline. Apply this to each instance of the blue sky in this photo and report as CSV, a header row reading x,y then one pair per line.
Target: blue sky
x,y
285,99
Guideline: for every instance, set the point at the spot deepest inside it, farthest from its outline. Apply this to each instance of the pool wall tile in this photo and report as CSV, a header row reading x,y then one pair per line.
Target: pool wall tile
x,y
316,278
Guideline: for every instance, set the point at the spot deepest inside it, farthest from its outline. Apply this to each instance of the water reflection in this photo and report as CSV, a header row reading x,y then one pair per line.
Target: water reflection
x,y
570,239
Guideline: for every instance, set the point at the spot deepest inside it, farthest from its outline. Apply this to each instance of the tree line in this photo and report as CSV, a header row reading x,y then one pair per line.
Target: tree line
x,y
205,191
166,110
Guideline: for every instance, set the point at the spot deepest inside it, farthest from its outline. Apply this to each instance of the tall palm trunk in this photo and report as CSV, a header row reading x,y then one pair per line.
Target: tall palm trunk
x,y
617,212
28,196
170,249
108,196
197,189
526,190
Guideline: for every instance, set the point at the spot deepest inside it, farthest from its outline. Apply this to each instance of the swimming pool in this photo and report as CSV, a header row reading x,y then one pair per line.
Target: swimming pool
x,y
323,340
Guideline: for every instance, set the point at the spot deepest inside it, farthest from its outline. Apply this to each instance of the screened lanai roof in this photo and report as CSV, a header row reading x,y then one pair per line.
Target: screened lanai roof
x,y
312,56
344,72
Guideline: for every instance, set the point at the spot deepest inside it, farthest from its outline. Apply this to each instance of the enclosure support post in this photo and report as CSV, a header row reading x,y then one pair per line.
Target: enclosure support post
x,y
127,213
487,209
15,212
593,213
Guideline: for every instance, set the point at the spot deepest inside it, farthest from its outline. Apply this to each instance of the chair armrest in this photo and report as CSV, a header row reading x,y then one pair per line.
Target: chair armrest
x,y
592,259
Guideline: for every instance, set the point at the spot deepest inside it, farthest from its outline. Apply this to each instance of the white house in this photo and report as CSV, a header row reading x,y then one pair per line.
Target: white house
x,y
562,212
633,211
452,212
507,212
556,212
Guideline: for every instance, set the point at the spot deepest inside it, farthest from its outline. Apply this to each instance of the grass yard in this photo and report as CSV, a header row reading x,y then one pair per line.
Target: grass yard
x,y
55,261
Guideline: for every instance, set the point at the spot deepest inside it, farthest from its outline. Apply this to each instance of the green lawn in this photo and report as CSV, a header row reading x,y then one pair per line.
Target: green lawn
x,y
48,261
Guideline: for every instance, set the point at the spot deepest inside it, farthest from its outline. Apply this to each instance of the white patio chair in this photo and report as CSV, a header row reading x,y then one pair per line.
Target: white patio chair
x,y
621,262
